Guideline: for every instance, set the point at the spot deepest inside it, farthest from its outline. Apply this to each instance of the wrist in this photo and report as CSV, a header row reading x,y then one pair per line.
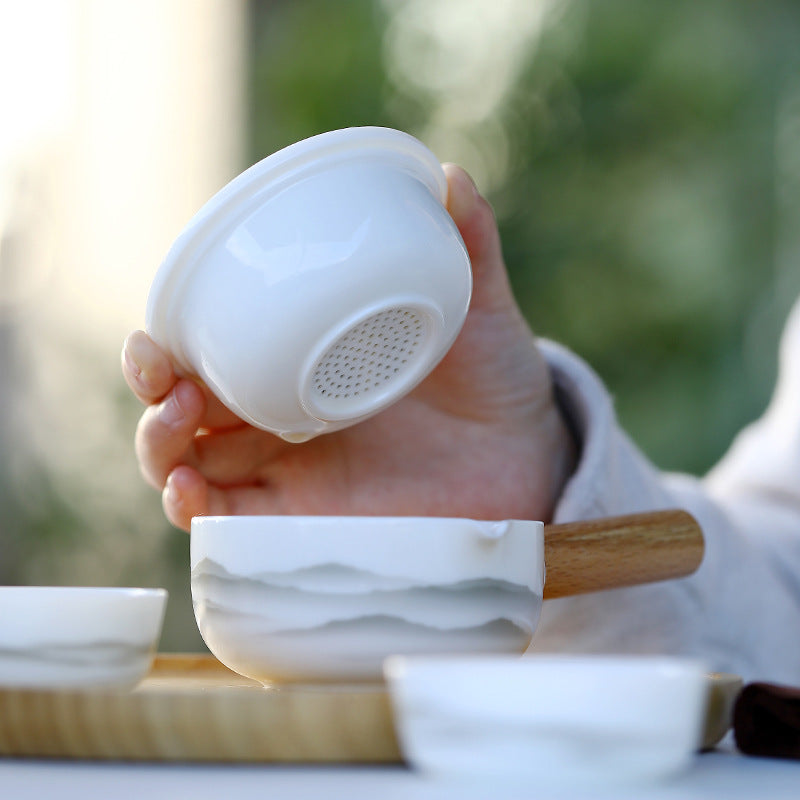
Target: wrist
x,y
564,449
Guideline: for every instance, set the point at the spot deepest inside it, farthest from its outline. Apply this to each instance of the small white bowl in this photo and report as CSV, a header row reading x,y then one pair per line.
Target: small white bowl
x,y
320,285
577,721
329,598
59,637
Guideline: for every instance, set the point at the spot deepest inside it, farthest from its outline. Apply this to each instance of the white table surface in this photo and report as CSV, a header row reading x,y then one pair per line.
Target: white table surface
x,y
722,775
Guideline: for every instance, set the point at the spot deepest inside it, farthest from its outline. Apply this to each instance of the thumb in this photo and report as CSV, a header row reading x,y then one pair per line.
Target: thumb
x,y
476,222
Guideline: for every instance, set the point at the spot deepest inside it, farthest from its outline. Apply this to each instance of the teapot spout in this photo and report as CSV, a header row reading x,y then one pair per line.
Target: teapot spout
x,y
493,530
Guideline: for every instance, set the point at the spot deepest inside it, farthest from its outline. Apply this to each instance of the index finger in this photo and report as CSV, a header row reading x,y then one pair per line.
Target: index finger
x,y
151,376
147,369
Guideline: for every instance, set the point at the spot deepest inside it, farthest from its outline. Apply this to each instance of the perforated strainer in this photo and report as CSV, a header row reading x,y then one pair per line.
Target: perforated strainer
x,y
319,286
371,362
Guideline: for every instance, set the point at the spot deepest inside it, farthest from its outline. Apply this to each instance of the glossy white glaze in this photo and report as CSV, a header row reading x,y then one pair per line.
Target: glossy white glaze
x,y
328,598
320,285
579,721
77,637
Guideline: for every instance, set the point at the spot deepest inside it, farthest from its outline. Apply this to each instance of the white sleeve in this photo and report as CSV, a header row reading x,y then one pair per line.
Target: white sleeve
x,y
740,611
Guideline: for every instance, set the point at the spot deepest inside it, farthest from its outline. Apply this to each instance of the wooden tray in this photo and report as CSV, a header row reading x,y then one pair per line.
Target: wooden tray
x,y
192,708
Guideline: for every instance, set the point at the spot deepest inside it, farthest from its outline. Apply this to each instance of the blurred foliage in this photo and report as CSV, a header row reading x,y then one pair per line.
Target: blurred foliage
x,y
641,213
644,163
315,66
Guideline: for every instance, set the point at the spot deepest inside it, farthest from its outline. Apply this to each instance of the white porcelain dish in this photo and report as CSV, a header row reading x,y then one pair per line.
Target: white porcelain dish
x,y
329,598
553,721
60,637
320,285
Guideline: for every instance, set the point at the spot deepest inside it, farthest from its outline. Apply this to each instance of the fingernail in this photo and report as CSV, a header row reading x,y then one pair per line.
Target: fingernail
x,y
474,194
464,199
171,412
170,493
139,375
132,366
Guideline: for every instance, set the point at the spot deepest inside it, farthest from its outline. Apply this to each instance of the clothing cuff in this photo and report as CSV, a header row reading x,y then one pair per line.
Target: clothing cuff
x,y
612,476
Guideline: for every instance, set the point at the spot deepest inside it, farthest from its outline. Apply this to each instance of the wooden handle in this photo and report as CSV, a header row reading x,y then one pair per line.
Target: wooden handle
x,y
593,555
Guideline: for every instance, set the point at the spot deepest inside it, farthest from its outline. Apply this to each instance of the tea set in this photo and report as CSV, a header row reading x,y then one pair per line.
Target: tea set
x,y
312,292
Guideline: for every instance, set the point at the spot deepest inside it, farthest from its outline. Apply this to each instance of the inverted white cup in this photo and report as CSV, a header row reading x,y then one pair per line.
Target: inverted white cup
x,y
320,285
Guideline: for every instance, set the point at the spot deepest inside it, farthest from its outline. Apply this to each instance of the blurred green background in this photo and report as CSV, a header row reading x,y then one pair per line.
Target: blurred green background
x,y
643,160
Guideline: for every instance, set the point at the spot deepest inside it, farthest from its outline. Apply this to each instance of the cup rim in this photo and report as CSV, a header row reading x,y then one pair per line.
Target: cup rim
x,y
458,548
225,208
253,524
591,666
83,591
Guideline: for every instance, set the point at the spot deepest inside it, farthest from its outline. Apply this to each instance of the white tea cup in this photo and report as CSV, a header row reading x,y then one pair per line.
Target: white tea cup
x,y
320,285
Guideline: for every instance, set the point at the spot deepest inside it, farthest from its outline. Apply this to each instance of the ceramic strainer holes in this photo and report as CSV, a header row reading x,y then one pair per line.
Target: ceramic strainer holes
x,y
368,358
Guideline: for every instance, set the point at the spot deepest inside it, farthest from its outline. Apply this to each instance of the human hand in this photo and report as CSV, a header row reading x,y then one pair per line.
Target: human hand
x,y
480,437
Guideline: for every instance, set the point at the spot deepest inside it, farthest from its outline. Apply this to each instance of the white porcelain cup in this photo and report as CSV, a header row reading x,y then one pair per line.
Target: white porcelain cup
x,y
327,599
320,285
69,637
591,723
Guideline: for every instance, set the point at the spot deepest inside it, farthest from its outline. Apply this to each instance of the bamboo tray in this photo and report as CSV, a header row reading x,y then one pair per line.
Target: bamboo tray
x,y
192,708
